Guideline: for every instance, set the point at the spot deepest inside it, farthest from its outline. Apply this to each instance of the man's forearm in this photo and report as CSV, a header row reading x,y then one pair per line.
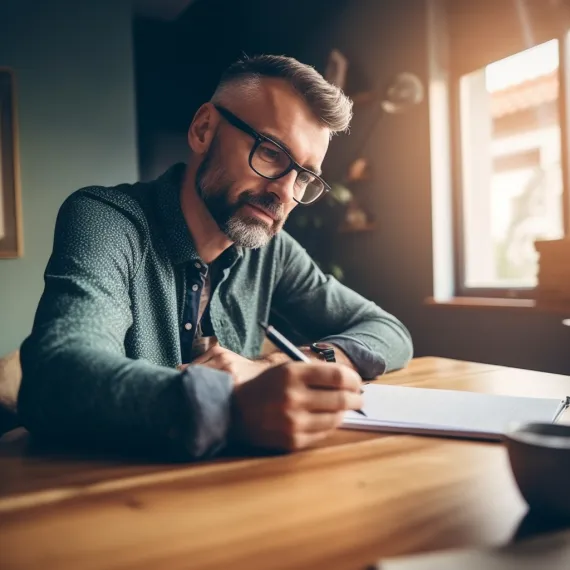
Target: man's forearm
x,y
100,398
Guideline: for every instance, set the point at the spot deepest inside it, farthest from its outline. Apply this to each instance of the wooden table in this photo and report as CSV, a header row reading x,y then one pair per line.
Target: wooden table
x,y
359,497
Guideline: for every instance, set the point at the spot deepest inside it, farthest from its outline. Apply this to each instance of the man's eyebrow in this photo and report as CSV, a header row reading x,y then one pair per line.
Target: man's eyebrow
x,y
312,168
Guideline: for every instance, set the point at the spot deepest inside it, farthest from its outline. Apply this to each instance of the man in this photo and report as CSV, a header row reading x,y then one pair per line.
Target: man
x,y
142,276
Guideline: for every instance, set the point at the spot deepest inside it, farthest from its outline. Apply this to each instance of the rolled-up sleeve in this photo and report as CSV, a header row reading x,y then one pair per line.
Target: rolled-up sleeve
x,y
324,309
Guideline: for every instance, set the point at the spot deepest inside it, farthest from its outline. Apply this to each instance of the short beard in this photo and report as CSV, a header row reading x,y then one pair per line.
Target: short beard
x,y
212,185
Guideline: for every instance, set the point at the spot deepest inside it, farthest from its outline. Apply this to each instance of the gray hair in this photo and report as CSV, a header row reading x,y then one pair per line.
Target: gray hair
x,y
331,107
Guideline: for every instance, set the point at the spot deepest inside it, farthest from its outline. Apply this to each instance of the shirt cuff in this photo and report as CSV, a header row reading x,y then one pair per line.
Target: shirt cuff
x,y
368,363
208,394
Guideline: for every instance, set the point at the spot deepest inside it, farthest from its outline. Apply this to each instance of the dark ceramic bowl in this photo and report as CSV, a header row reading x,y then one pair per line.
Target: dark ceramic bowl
x,y
540,462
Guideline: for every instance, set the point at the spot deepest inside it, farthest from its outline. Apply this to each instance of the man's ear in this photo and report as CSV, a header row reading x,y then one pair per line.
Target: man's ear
x,y
203,128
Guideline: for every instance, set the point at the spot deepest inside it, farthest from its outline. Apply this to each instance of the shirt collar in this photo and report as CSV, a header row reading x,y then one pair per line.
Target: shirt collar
x,y
178,237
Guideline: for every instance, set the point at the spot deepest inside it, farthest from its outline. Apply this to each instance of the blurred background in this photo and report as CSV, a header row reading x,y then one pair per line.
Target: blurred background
x,y
456,162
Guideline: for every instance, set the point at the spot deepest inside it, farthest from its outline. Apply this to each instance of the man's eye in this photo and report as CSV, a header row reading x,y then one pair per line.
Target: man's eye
x,y
304,178
269,154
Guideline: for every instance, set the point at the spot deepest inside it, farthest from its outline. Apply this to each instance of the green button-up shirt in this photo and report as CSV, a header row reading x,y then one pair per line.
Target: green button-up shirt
x,y
100,364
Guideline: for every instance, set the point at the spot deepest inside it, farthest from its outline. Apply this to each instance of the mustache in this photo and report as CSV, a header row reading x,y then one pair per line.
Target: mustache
x,y
267,201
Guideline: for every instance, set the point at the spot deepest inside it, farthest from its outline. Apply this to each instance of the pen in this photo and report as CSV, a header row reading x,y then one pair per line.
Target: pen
x,y
288,347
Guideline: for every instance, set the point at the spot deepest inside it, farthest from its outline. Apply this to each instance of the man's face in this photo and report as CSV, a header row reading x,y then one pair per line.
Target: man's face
x,y
248,208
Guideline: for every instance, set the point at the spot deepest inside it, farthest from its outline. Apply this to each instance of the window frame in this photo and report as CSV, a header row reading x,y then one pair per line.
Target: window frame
x,y
461,290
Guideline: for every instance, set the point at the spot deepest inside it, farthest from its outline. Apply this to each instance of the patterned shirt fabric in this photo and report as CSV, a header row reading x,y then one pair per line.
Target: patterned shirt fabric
x,y
122,288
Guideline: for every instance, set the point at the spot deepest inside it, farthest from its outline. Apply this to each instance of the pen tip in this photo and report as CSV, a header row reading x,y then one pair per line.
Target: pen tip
x,y
263,325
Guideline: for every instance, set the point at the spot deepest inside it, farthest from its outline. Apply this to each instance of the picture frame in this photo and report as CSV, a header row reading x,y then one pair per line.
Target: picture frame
x,y
11,230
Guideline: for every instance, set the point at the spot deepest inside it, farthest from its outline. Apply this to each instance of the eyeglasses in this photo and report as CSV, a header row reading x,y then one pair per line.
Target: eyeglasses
x,y
270,160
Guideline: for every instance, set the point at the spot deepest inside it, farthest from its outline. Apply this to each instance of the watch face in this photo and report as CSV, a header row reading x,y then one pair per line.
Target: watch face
x,y
322,346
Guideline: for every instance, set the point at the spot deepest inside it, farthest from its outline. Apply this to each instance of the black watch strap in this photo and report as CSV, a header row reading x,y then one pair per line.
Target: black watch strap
x,y
325,350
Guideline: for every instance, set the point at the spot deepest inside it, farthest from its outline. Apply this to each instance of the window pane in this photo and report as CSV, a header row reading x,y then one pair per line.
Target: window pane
x,y
512,178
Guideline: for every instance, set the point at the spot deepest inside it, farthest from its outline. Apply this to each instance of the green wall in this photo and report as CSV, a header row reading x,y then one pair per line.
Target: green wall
x,y
73,62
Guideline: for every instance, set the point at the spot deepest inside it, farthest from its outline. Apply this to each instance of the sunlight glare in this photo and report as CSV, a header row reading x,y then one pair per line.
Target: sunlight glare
x,y
529,64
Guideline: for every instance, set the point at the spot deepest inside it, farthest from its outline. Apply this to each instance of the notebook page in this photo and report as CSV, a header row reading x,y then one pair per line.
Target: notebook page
x,y
414,409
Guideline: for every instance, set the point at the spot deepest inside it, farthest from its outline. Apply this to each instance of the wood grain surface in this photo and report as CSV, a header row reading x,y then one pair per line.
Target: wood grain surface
x,y
358,497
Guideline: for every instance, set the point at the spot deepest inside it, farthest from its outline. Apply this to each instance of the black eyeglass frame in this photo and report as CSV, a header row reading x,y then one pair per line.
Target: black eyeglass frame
x,y
259,138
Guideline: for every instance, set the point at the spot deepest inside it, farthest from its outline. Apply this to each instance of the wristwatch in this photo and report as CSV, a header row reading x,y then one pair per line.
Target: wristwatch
x,y
324,350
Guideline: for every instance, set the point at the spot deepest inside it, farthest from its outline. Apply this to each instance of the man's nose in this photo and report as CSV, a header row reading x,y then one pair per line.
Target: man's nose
x,y
284,187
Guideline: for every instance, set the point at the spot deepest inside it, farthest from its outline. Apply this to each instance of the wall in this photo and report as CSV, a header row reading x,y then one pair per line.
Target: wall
x,y
392,265
75,93
178,64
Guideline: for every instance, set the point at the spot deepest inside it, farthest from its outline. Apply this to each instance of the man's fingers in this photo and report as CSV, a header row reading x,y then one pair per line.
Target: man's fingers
x,y
208,355
321,422
332,376
301,440
332,400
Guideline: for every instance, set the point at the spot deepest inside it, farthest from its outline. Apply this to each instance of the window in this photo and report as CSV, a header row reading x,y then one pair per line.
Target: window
x,y
510,170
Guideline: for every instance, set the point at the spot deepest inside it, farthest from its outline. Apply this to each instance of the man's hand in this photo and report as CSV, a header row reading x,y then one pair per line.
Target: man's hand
x,y
242,369
292,406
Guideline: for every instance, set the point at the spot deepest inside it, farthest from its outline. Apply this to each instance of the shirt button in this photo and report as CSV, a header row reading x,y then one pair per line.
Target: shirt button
x,y
198,265
194,287
188,326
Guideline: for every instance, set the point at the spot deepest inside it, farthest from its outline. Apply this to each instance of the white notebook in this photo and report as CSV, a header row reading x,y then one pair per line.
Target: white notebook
x,y
451,413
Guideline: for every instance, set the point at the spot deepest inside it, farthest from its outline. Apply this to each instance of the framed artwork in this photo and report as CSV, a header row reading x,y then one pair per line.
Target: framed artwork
x,y
11,238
